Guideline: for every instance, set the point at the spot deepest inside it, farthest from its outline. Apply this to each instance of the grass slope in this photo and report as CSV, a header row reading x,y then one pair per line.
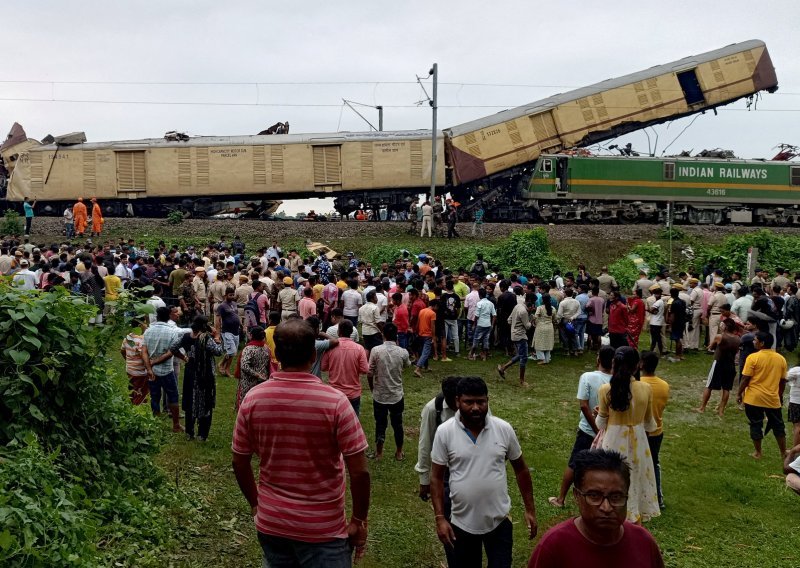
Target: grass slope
x,y
723,508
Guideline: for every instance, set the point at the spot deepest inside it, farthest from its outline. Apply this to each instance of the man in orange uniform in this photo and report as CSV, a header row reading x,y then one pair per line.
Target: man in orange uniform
x,y
79,217
97,218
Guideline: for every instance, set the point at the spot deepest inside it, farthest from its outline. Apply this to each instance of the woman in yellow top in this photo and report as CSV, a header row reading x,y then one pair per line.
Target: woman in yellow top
x,y
626,415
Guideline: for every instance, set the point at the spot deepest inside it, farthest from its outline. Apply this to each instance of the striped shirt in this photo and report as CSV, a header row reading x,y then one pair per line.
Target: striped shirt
x,y
300,428
134,363
345,365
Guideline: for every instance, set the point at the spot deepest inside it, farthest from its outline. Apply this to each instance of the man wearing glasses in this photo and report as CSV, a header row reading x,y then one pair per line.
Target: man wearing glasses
x,y
600,537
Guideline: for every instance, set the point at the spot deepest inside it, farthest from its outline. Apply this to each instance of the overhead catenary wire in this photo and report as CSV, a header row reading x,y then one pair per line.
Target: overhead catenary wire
x,y
314,105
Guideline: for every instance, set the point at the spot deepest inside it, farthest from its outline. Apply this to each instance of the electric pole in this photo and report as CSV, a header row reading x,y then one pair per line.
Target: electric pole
x,y
435,72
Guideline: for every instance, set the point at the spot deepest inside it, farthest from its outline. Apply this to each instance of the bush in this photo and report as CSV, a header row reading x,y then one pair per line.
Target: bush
x,y
646,256
175,217
11,224
528,251
76,456
731,255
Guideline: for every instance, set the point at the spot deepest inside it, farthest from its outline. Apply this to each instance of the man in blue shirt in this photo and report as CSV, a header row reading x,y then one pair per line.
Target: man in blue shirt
x,y
28,206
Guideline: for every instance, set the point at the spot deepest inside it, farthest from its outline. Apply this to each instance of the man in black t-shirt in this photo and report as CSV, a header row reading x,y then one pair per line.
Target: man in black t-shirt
x,y
449,308
677,320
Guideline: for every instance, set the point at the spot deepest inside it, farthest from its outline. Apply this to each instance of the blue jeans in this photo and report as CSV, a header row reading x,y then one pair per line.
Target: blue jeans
x,y
469,332
170,385
70,230
580,329
286,553
522,353
481,338
451,330
402,340
427,348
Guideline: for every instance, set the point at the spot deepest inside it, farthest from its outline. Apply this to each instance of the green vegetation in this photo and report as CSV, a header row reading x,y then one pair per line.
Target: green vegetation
x,y
527,251
648,256
731,254
78,483
11,223
175,217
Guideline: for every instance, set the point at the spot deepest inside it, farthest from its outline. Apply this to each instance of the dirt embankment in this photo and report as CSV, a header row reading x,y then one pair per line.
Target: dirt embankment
x,y
48,230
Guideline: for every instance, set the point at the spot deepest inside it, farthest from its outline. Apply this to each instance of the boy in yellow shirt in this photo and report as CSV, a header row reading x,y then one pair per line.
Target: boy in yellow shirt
x,y
761,390
660,388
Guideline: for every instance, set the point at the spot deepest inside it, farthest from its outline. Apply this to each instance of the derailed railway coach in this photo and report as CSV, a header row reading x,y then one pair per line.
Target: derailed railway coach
x,y
486,162
621,189
152,176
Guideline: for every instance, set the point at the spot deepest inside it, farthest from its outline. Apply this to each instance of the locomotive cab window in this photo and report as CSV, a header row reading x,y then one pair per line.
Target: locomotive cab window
x,y
669,170
547,166
692,91
795,176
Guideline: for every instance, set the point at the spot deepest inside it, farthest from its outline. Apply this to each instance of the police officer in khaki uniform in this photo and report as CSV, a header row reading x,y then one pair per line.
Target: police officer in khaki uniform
x,y
715,304
412,217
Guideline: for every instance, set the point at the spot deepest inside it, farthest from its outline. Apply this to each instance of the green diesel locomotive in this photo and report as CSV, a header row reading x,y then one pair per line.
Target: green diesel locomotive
x,y
633,189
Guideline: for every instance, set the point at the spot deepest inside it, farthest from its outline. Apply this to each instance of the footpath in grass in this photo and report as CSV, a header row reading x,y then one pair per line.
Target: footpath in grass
x,y
723,507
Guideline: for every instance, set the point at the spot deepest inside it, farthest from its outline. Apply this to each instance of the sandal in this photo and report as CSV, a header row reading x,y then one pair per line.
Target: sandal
x,y
554,502
501,371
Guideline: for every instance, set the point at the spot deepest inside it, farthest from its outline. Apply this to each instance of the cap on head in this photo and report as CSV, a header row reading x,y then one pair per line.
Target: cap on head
x,y
287,281
655,287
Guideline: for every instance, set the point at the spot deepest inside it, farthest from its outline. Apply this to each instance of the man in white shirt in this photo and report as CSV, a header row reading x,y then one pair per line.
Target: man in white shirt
x,y
470,303
437,411
69,223
351,302
791,467
475,445
657,320
371,326
24,278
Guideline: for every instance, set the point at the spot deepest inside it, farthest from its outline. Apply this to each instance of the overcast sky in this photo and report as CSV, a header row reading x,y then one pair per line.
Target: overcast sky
x,y
271,62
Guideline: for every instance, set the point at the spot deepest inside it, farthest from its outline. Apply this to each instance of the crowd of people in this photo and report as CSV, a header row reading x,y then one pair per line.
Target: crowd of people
x,y
280,322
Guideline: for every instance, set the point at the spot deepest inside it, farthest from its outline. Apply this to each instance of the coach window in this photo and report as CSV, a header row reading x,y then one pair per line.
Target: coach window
x,y
795,175
547,166
669,170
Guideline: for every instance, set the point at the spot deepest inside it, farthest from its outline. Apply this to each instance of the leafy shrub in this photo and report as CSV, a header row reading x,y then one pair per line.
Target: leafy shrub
x,y
528,251
675,233
626,270
11,224
731,255
175,217
76,456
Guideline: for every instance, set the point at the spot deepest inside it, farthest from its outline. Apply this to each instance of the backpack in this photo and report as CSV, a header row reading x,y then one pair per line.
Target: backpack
x,y
689,311
479,268
252,315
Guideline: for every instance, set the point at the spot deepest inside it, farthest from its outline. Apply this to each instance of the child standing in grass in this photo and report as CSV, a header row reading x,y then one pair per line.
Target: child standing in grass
x,y
137,363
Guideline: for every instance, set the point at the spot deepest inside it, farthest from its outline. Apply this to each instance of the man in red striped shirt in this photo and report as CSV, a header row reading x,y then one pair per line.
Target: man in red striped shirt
x,y
304,433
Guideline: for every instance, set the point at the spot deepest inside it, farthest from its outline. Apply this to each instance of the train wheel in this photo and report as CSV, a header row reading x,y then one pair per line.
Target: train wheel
x,y
719,217
693,216
628,217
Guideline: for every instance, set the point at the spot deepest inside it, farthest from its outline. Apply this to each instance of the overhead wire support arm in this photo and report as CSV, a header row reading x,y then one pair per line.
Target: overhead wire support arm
x,y
379,108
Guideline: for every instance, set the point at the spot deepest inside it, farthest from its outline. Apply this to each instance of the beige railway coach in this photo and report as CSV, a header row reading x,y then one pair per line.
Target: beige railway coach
x,y
290,165
608,109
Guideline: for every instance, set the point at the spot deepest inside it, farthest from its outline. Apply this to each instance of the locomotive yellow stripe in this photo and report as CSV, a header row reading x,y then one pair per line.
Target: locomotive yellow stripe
x,y
670,184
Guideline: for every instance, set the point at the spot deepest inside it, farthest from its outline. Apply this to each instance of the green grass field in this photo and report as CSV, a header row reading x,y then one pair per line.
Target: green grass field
x,y
723,507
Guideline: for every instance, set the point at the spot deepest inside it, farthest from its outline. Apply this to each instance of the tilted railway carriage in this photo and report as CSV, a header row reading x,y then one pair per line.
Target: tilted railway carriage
x,y
602,111
635,189
154,173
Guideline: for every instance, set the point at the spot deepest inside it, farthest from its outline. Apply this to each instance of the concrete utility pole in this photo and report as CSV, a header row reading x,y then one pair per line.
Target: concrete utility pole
x,y
435,72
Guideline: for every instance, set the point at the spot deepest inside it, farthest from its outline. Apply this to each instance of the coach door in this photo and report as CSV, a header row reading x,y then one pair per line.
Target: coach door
x,y
131,174
327,168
